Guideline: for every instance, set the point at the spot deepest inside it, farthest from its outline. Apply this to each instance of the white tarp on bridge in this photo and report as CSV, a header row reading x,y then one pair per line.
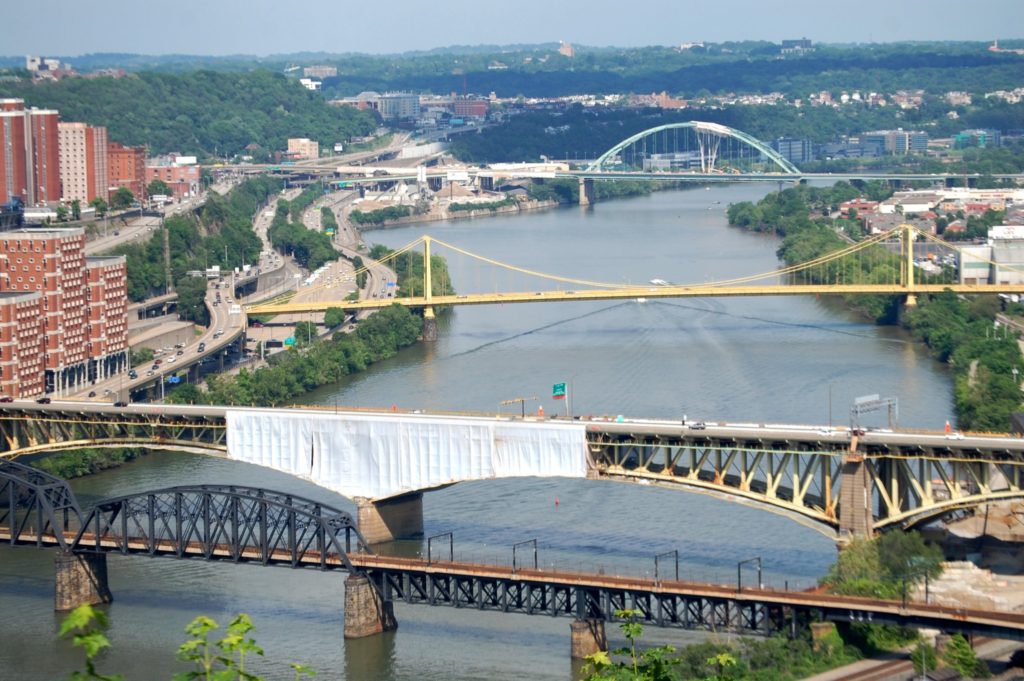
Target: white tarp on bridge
x,y
376,456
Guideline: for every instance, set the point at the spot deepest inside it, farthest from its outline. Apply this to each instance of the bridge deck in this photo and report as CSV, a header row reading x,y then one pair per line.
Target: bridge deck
x,y
447,583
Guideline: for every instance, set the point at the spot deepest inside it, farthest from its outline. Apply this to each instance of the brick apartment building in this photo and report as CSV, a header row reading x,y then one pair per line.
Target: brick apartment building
x,y
63,317
29,153
183,179
83,162
126,167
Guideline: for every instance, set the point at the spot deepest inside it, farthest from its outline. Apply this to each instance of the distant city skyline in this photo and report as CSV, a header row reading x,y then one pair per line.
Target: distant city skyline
x,y
268,27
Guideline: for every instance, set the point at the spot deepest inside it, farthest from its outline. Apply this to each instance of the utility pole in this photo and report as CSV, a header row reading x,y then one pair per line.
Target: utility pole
x,y
167,256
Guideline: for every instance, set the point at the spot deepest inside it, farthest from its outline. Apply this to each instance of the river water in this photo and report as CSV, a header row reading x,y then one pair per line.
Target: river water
x,y
789,360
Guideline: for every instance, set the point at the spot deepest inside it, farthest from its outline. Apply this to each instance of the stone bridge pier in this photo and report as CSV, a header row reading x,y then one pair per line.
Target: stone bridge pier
x,y
80,579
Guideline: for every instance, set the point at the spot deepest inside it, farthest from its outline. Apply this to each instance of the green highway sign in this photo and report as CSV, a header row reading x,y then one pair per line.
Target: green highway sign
x,y
558,391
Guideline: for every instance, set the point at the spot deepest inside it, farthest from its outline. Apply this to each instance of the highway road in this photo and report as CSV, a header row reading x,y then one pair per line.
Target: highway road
x,y
225,327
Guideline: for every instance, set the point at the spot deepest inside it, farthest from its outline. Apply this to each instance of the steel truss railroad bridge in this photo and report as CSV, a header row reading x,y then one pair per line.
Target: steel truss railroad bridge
x,y
256,526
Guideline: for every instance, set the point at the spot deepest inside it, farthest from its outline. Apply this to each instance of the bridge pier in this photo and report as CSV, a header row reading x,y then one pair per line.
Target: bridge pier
x,y
855,517
80,579
429,325
587,194
366,611
587,637
390,519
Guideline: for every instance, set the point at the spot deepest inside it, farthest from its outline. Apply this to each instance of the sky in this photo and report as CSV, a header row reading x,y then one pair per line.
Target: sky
x,y
266,27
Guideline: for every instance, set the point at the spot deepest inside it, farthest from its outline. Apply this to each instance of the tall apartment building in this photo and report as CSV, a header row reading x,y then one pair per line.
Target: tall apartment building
x,y
126,167
83,162
29,153
72,308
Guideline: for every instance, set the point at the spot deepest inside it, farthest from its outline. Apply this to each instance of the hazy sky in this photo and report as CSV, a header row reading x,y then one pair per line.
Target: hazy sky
x,y
262,27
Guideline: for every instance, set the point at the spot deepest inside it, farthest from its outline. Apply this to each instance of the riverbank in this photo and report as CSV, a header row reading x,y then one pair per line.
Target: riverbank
x,y
80,462
445,215
957,331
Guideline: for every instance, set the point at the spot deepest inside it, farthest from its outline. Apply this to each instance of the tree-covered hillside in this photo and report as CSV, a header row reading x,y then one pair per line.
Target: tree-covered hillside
x,y
580,132
204,113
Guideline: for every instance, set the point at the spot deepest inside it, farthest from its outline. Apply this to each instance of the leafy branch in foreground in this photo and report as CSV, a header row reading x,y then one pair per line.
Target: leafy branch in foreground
x,y
223,660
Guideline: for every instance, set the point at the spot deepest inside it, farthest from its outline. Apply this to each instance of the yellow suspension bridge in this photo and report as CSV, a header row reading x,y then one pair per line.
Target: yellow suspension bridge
x,y
860,268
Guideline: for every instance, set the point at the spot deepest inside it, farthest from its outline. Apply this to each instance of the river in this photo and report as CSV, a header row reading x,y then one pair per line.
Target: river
x,y
789,360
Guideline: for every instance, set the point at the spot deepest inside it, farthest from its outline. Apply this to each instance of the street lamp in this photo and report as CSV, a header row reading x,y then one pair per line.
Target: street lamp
x,y
739,573
675,555
451,546
532,542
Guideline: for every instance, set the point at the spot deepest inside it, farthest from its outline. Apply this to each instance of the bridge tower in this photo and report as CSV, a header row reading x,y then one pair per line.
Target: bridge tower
x,y
908,264
429,320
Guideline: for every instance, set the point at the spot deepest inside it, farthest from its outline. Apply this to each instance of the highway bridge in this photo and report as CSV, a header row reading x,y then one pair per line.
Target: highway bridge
x,y
835,480
245,525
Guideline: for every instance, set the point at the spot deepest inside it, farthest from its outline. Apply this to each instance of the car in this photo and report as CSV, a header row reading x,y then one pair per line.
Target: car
x,y
120,403
133,374
6,398
171,359
92,393
699,425
44,400
157,362
181,352
149,373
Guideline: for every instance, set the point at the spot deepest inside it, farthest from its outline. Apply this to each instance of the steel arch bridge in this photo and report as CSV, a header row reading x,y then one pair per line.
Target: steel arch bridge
x,y
229,523
708,138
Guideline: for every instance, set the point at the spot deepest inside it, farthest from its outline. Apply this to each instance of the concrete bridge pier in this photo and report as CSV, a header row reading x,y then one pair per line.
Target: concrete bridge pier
x,y
366,611
429,325
855,516
80,579
588,195
587,637
390,519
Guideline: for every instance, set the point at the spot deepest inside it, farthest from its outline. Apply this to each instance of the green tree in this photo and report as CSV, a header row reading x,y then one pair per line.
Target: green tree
x,y
140,356
122,198
192,299
653,664
334,316
924,659
185,393
305,333
76,210
100,206
158,187
961,656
